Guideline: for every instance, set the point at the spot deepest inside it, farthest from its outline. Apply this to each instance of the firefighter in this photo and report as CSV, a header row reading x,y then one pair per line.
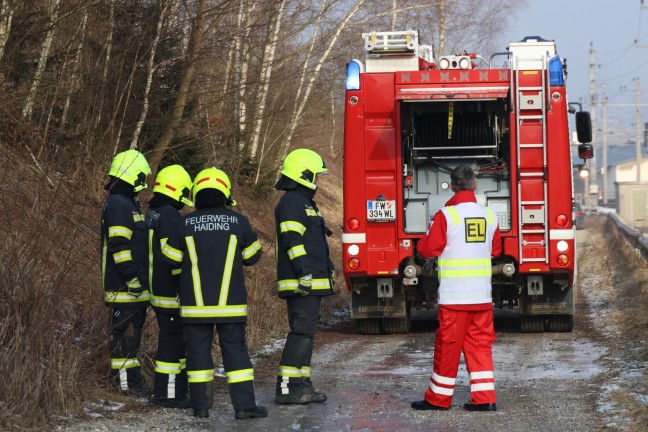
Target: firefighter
x,y
463,236
304,272
171,192
124,259
214,245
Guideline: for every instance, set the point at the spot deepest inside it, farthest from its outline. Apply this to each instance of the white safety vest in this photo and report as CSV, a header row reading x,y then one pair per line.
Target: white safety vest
x,y
465,266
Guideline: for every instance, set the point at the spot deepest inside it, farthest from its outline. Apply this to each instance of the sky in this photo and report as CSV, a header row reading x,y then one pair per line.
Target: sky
x,y
611,26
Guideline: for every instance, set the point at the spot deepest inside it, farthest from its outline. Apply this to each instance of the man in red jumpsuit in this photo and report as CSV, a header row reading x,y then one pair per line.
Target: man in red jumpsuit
x,y
463,236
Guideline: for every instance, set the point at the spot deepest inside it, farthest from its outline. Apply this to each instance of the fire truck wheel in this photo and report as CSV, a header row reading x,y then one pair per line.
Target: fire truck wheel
x,y
531,324
368,326
396,325
561,323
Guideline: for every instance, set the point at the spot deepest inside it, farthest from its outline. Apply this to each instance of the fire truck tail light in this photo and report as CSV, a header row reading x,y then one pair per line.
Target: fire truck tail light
x,y
556,77
353,224
354,263
562,260
562,246
353,249
354,69
562,220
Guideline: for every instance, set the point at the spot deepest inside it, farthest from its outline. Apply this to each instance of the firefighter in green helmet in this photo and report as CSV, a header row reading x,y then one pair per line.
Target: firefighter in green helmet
x,y
124,261
214,245
171,192
305,272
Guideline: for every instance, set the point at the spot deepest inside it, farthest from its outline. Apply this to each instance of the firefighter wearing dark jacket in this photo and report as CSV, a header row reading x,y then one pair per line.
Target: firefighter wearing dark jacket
x,y
171,192
304,272
124,260
214,245
464,236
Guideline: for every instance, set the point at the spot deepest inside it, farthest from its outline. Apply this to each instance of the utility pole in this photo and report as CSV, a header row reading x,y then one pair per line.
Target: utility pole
x,y
604,142
638,126
591,185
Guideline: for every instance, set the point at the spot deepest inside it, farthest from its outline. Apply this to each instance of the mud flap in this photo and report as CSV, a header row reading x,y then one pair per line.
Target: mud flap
x,y
379,299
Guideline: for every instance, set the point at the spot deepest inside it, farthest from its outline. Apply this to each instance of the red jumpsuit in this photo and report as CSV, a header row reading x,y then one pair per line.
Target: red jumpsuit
x,y
466,326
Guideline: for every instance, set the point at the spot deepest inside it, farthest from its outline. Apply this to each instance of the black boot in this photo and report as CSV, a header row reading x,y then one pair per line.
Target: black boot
x,y
256,412
290,391
314,395
201,398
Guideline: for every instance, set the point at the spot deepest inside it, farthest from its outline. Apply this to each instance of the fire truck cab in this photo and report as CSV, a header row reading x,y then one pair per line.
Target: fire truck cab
x,y
409,120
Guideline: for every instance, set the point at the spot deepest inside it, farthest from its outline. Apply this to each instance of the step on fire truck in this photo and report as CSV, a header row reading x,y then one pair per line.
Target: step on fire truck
x,y
409,120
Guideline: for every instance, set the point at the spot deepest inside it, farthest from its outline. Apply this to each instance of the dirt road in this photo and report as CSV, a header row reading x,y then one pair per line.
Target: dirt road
x,y
591,379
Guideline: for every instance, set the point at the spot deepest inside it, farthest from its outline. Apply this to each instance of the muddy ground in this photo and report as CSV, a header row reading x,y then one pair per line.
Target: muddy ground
x,y
594,378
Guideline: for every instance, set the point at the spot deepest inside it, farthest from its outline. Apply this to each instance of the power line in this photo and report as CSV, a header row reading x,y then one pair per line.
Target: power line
x,y
627,73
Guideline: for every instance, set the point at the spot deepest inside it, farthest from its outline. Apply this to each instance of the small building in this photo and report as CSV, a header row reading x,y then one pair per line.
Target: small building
x,y
630,195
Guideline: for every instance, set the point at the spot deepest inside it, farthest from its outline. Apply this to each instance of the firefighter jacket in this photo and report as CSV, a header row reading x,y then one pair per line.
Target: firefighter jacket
x,y
464,236
124,251
301,246
214,245
163,223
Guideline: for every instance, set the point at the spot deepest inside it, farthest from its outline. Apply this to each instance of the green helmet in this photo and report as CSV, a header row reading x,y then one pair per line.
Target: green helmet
x,y
213,178
302,165
131,166
173,181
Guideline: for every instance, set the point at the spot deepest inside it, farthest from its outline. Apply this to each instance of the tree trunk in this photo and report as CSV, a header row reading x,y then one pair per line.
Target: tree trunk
x,y
6,18
162,145
42,60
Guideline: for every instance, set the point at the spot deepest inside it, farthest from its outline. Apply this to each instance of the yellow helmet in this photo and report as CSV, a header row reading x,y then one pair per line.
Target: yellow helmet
x,y
302,165
173,181
131,166
213,178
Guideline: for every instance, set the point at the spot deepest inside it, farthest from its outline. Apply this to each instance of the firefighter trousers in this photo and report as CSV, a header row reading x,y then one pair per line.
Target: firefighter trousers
x,y
170,380
126,333
472,333
294,366
236,361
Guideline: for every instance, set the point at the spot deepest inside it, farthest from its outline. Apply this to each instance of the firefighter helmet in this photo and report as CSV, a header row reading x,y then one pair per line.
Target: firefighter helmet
x,y
173,181
302,166
131,166
215,179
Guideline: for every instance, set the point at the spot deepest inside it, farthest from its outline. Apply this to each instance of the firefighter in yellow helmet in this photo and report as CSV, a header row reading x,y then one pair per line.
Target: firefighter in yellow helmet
x,y
171,192
305,272
214,245
124,262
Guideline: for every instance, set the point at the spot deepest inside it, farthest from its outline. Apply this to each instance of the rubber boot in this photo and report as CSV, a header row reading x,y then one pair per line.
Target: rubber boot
x,y
290,391
256,412
309,391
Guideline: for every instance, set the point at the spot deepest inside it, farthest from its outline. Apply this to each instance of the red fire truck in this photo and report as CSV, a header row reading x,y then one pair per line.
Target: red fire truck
x,y
409,120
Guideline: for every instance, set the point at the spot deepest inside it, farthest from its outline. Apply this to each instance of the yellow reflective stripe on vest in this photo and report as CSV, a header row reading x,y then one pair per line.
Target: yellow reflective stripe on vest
x,y
195,273
119,231
453,214
289,371
491,216
205,375
138,218
213,311
249,251
239,376
122,256
312,212
292,284
164,302
167,368
457,268
124,363
227,271
176,272
296,251
292,226
460,273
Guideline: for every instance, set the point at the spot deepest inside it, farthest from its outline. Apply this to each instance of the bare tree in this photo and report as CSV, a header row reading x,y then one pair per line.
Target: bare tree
x,y
6,17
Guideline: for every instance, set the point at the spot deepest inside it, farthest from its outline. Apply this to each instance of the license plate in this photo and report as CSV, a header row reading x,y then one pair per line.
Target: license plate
x,y
381,211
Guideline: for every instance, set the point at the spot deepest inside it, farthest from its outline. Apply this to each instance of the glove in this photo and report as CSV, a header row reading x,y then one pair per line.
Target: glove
x,y
134,287
305,284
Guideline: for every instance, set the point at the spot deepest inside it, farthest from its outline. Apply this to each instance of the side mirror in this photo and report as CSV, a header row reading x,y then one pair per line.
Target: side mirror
x,y
585,151
583,127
